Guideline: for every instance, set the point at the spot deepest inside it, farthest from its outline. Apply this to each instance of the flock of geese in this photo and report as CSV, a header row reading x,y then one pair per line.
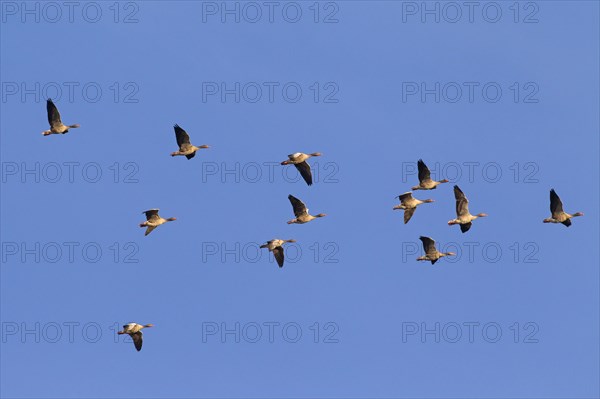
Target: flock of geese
x,y
408,204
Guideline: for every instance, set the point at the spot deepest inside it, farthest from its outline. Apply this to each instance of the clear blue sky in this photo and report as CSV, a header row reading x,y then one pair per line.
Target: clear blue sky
x,y
376,292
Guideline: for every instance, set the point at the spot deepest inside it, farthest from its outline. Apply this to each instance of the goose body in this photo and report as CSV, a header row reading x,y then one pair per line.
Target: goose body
x,y
56,125
276,246
425,182
153,220
301,212
298,159
409,204
558,214
134,330
431,252
183,141
463,217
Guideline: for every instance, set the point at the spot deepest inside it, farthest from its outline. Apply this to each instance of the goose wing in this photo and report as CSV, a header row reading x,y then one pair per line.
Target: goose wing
x,y
151,214
408,213
428,245
137,340
53,114
465,227
405,197
304,169
556,206
182,137
462,203
278,253
299,206
424,173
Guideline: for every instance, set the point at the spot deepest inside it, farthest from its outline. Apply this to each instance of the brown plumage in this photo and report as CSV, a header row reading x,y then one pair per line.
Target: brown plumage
x,y
134,330
153,220
298,159
301,212
558,214
431,253
409,204
425,182
56,125
463,217
183,141
275,246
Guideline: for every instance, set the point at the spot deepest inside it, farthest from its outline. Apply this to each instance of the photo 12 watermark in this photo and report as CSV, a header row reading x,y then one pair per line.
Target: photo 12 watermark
x,y
471,332
470,92
71,172
470,12
270,332
38,252
250,252
70,92
270,92
54,12
490,252
271,12
266,172
526,172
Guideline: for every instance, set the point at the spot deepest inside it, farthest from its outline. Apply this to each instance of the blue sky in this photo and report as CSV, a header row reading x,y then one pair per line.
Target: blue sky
x,y
354,272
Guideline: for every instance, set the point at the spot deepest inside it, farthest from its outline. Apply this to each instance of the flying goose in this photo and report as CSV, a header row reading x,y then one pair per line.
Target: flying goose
x,y
558,215
56,125
463,217
275,246
183,141
425,182
301,212
135,332
409,204
153,220
431,253
298,159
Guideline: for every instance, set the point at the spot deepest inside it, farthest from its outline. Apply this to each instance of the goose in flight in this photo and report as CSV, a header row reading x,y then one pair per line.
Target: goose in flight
x,y
463,217
183,141
558,215
425,182
409,204
153,220
135,332
298,159
301,212
431,253
276,247
56,125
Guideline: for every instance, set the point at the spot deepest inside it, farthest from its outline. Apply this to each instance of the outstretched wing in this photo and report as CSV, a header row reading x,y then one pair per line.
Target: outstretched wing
x,y
181,135
299,207
462,203
408,213
137,340
304,169
556,206
190,156
53,114
428,245
424,173
149,230
465,227
278,253
151,214
405,197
